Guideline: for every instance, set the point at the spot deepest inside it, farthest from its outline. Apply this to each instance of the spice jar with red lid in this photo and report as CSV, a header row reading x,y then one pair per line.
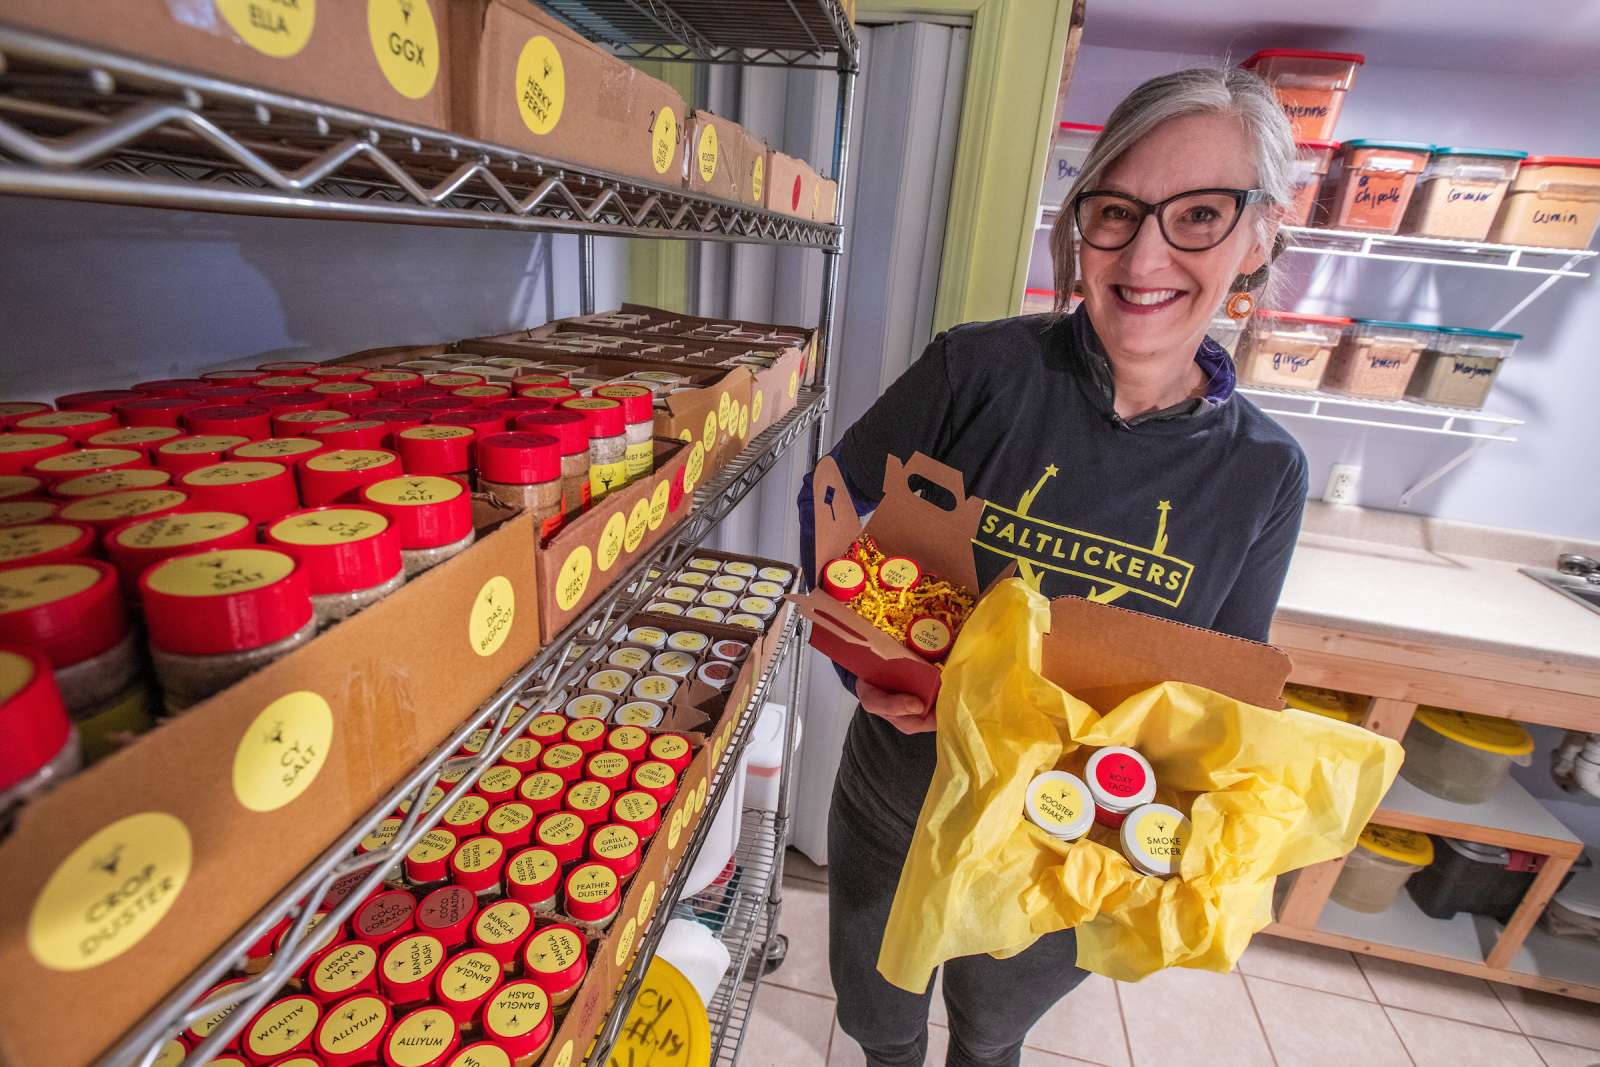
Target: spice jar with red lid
x,y
510,823
109,510
30,543
638,414
356,433
76,426
103,400
563,833
290,403
571,431
259,489
218,615
352,1031
12,410
73,613
588,734
280,1029
502,928
432,517
465,817
338,476
351,557
389,382
20,451
428,862
523,753
344,969
156,410
284,383
407,967
38,745
657,779
617,847
589,801
481,396
533,876
436,448
608,442
22,487
611,769
629,741
142,438
542,792
447,914
671,749
240,420
498,784
454,380
142,543
519,1021
387,915
638,810
592,894
189,453
285,450
480,421
555,958
564,759
555,394
30,512
64,465
293,423
466,982
477,864
110,482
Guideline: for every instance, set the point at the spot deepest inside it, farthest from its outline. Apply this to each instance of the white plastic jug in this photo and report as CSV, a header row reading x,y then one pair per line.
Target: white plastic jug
x,y
722,837
697,953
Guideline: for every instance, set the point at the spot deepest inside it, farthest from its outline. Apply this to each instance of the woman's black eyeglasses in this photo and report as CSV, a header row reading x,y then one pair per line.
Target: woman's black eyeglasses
x,y
1191,222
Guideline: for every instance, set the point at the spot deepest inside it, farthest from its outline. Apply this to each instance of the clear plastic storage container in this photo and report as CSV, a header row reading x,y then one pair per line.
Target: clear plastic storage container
x,y
1382,862
1067,153
1372,183
1460,756
1309,85
1460,367
1289,351
1226,332
1376,358
1553,201
1313,158
1459,193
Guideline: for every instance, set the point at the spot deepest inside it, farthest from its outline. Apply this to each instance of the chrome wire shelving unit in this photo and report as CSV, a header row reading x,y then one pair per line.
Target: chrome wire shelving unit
x,y
84,124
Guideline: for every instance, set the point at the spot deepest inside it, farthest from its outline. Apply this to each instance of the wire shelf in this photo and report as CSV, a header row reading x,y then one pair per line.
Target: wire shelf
x,y
79,123
1405,415
1482,255
782,33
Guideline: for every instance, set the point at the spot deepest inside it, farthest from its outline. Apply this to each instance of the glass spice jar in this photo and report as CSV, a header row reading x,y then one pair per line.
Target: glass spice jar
x,y
571,431
351,557
337,476
436,449
259,489
523,470
638,415
608,443
73,613
136,546
431,515
38,745
237,420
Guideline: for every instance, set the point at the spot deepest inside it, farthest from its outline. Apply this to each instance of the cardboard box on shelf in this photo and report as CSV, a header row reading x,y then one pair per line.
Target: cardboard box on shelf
x,y
389,57
721,158
791,185
827,203
125,878
526,80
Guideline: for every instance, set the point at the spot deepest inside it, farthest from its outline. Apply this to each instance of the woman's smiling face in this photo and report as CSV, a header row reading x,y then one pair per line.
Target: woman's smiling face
x,y
1148,299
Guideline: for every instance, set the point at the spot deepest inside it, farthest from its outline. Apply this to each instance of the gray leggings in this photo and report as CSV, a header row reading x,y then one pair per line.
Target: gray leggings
x,y
992,1003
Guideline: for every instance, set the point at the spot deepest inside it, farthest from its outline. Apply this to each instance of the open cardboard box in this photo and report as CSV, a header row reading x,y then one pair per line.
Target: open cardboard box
x,y
723,159
1097,652
656,322
791,186
125,878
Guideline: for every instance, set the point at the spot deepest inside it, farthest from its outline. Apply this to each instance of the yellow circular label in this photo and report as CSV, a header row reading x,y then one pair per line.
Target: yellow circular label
x,y
719,598
694,468
110,892
588,729
534,866
171,1055
479,854
435,845
668,747
344,968
391,375
1162,838
134,435
930,635
629,929
283,1026
572,580
725,403
16,671
414,489
701,791
190,446
609,681
493,611
87,459
655,687
541,786
1058,800
744,421
794,384
25,512
282,751
638,713
564,1058
25,542
755,408
276,448
501,922
509,818
549,725
615,842
353,459
310,417
52,419
664,140
476,740
467,811
609,547
330,526
469,976
627,738
758,173
589,706
637,807
482,390
455,380
554,951
421,1037
381,836
239,472
647,903
28,442
897,572
632,658
562,828
705,152
359,1020
659,499
685,436
406,43
220,573
638,522
15,485
675,828
702,613
126,504
499,779
541,85
412,958
429,802
708,432
481,1055
517,1009
276,29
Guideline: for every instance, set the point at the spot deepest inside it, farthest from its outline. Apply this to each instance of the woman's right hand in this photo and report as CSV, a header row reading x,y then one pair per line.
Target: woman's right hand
x,y
901,710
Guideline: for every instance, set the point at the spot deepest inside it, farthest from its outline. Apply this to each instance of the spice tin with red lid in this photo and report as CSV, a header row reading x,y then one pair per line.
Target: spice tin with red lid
x,y
466,981
261,489
636,401
188,453
502,928
843,579
563,833
12,410
629,741
31,543
671,749
447,914
423,1038
69,611
285,1026
156,410
202,1027
929,637
519,458
64,465
249,421
339,475
385,917
342,549
102,400
610,769
540,377
564,759
224,600
593,892
76,426
33,719
142,543
657,779
407,967
364,434
510,823
518,1020
343,970
1119,780
481,396
477,864
617,847
20,451
513,406
542,792
291,382
569,428
548,728
436,448
523,754
555,960
588,734
429,859
638,810
353,1030
465,817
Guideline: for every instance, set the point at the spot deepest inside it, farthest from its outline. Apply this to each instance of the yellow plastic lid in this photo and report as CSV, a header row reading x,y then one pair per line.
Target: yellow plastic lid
x,y
1392,843
1504,737
1329,703
671,1006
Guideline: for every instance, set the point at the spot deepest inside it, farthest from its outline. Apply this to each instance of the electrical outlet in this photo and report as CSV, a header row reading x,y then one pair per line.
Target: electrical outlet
x,y
1343,482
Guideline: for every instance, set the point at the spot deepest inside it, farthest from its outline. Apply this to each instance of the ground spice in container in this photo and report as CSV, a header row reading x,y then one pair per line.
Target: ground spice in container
x,y
1554,201
1289,351
259,489
523,470
136,546
73,613
1310,86
219,615
38,745
110,482
571,431
1313,159
339,475
608,443
638,414
1373,182
431,516
76,426
1460,367
1460,192
436,449
351,557
1377,358
239,420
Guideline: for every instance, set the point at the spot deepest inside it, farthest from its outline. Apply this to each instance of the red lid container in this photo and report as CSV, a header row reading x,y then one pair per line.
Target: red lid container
x,y
533,876
556,394
167,386
554,958
465,982
563,833
569,428
105,400
284,403
429,859
336,372
226,394
480,421
407,968
610,769
523,754
517,1018
616,846
589,801
32,543
282,1028
671,749
243,420
285,383
637,401
548,728
513,406
588,734
156,410
338,475
11,410
77,426
465,817
69,611
630,741
353,1030
300,423
438,405
447,914
143,438
106,511
65,465
397,419
510,823
189,453
234,377
565,759
343,970
341,393
386,916
603,416
285,450
22,486
519,458
392,381
481,396
542,792
638,810
540,377
260,489
33,719
356,434
657,779
224,600
454,380
425,511
30,512
498,783
342,549
142,543
203,1027
286,366
593,892
502,928
20,451
435,449
477,864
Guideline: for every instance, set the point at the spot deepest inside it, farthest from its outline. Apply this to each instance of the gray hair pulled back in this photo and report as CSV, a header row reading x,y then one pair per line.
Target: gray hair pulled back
x,y
1197,91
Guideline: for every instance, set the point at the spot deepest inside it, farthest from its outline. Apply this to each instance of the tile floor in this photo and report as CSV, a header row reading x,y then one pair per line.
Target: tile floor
x,y
1289,1005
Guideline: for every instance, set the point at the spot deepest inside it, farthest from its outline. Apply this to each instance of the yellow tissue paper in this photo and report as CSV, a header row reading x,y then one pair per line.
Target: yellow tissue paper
x,y
1267,791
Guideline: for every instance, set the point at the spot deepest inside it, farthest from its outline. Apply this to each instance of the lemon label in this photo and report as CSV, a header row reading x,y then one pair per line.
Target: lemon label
x,y
572,580
494,609
509,818
110,892
562,828
413,958
898,573
89,459
344,968
330,526
541,85
276,448
1162,836
479,854
355,459
541,786
758,173
588,796
501,922
467,811
406,44
554,951
615,842
694,468
663,140
282,751
277,28
705,153
629,930
283,1026
359,1021
637,807
612,537
421,1038
517,1009
469,976
659,499
435,845
794,384
708,432
381,836
221,573
755,408
534,866
29,442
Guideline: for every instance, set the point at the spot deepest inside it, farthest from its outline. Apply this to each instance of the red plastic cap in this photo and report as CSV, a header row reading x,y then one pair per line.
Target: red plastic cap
x,y
259,489
386,916
435,405
425,511
286,383
183,454
339,475
519,458
477,864
19,451
32,543
69,611
107,511
593,891
447,914
281,403
168,386
435,449
512,406
281,449
392,381
604,416
224,600
245,420
335,372
301,423
33,719
234,377
156,410
454,379
356,433
481,395
96,400
144,542
569,428
517,1005
480,421
1561,161
533,875
636,401
341,549
1303,53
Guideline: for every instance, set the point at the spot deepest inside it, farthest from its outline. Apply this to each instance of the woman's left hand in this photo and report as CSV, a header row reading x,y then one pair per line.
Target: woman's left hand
x,y
901,710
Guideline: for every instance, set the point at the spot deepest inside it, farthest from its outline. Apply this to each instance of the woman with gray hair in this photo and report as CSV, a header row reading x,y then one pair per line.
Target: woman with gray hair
x,y
1117,463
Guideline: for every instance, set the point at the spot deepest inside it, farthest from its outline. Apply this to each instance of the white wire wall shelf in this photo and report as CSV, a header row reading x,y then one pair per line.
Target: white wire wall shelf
x,y
780,33
1481,255
79,123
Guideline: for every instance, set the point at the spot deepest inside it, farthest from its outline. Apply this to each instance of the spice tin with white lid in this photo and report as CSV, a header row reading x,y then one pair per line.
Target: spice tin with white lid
x,y
407,967
690,641
663,607
651,637
745,619
518,1020
740,568
1119,781
703,563
720,599
386,916
613,681
680,594
729,583
1058,803
701,613
1153,839
655,687
555,960
510,823
698,579
589,706
759,606
343,970
532,876
776,574
447,914
629,658
716,673
502,927
645,713
426,1037
674,664
770,590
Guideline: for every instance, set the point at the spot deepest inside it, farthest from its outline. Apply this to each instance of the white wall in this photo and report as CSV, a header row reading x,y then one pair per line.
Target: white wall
x,y
1536,483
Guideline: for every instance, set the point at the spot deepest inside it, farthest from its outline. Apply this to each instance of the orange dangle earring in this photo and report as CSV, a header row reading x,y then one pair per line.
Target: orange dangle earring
x,y
1240,305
